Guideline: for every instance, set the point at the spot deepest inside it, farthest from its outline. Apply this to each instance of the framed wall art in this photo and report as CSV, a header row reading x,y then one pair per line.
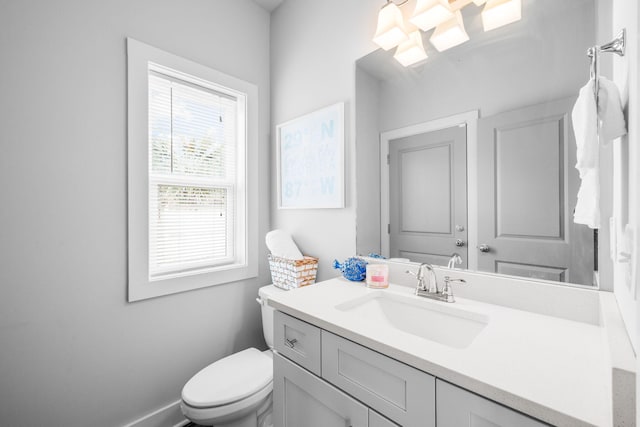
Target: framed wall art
x,y
310,160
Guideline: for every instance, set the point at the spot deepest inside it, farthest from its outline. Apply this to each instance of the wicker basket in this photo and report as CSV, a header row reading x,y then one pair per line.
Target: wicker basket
x,y
291,274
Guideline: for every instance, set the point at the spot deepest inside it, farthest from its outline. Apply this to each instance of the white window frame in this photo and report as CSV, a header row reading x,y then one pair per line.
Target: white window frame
x,y
140,59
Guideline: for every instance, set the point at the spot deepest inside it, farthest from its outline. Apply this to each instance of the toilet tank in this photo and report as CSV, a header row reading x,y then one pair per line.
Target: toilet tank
x,y
264,294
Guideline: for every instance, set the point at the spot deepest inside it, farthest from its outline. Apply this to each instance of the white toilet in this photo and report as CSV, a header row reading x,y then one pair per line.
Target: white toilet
x,y
235,391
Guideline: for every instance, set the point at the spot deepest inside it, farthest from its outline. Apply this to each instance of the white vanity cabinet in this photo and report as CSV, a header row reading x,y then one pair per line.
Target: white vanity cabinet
x,y
324,380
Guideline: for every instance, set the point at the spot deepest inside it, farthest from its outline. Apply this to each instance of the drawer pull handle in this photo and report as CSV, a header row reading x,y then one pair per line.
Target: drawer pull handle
x,y
290,343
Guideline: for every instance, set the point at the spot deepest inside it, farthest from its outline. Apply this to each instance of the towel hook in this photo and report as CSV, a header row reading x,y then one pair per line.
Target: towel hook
x,y
617,46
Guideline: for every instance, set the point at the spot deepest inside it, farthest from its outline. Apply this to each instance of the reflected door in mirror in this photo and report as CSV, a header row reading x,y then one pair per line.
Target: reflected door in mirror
x,y
428,196
527,189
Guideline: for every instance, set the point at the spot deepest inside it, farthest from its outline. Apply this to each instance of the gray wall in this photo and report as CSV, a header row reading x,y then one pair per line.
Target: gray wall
x,y
314,45
73,352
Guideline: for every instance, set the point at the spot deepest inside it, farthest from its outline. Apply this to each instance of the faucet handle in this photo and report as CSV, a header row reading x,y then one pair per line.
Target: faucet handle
x,y
447,291
448,279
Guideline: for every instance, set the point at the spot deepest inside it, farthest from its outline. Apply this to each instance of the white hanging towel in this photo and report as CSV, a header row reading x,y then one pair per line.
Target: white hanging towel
x,y
586,115
612,124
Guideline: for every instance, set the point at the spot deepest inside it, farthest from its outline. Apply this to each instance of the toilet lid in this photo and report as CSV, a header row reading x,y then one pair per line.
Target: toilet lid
x,y
230,379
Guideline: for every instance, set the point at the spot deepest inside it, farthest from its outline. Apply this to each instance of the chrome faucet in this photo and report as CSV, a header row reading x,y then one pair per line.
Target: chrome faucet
x,y
432,280
455,259
431,290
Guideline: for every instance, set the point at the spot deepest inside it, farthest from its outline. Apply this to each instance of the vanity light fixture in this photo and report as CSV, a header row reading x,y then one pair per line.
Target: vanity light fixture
x,y
498,13
450,33
429,14
390,31
411,51
445,17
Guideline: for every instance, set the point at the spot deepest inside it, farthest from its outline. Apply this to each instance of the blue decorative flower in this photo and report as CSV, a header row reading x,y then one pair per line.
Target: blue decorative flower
x,y
354,269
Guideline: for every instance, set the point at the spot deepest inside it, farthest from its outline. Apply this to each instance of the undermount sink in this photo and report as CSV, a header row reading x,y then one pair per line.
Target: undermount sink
x,y
437,322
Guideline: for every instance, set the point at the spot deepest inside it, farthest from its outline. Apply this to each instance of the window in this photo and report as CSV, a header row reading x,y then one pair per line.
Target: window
x,y
193,134
191,129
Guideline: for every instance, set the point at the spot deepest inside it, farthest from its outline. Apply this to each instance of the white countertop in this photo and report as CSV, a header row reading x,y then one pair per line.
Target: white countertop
x,y
553,369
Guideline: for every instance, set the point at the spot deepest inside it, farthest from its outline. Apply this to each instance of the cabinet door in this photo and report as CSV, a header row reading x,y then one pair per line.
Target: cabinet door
x,y
377,420
401,393
302,399
459,408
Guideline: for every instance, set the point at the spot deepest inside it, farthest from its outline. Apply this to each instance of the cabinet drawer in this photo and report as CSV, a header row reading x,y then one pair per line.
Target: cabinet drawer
x,y
402,393
298,341
460,408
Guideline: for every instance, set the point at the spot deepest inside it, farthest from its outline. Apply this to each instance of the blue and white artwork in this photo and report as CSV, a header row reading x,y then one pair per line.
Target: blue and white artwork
x,y
311,160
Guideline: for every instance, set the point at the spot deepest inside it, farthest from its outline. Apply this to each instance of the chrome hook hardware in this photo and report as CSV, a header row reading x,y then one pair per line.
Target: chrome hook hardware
x,y
484,248
290,343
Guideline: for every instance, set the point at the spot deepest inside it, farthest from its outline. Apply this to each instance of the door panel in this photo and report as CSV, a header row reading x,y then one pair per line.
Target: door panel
x,y
428,196
400,392
430,164
527,189
302,399
534,151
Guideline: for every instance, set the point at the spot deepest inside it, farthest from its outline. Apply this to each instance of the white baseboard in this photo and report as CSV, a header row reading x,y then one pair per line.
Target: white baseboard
x,y
169,415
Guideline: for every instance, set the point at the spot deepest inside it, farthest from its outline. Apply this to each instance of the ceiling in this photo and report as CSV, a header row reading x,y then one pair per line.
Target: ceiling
x,y
268,5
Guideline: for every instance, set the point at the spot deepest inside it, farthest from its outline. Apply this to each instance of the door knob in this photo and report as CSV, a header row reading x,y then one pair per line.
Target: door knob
x,y
459,242
483,248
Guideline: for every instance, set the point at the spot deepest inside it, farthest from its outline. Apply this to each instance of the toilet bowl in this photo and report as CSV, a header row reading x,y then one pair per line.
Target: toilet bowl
x,y
235,391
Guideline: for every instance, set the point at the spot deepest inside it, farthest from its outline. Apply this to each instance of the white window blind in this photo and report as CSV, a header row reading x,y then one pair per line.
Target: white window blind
x,y
193,133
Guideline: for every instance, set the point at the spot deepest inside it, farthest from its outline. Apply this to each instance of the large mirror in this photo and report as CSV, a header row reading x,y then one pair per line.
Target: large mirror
x,y
472,152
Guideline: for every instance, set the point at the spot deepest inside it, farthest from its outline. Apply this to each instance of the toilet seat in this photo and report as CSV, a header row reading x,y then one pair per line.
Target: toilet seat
x,y
221,414
247,374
